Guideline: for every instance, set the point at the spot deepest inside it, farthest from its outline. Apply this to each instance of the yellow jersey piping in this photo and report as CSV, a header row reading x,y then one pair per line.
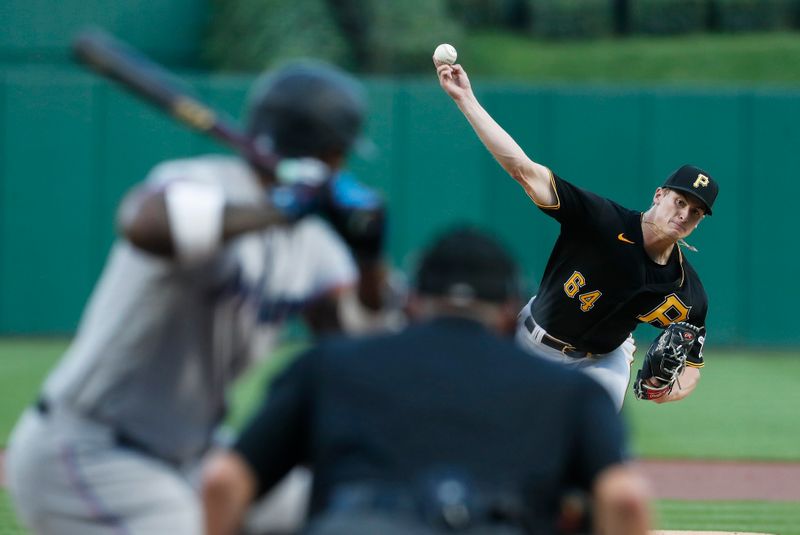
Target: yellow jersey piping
x,y
555,206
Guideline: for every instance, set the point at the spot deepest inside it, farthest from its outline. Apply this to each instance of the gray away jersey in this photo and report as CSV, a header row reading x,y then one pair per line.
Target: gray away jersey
x,y
159,342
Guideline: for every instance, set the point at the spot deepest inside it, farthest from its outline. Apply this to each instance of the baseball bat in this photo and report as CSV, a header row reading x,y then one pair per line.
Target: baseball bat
x,y
128,67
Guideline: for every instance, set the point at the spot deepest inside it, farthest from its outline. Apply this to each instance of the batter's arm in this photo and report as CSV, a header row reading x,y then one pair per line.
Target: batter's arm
x,y
535,178
685,385
355,310
373,306
144,219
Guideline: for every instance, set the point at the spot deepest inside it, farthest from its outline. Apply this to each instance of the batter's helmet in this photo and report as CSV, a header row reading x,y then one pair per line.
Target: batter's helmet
x,y
306,109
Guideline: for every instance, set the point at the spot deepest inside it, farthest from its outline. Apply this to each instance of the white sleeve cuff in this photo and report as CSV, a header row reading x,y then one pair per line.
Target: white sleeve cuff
x,y
195,211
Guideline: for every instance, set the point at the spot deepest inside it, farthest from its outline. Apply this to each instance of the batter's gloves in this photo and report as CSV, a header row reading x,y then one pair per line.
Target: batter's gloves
x,y
358,213
297,200
664,361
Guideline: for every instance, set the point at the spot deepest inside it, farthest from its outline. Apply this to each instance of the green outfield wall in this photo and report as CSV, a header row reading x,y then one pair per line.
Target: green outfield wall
x,y
71,144
39,31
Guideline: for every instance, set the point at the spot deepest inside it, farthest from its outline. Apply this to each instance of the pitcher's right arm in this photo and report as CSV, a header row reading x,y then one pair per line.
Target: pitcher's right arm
x,y
536,179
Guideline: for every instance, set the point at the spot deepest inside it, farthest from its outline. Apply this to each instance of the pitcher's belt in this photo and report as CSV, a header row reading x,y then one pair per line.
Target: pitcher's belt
x,y
555,343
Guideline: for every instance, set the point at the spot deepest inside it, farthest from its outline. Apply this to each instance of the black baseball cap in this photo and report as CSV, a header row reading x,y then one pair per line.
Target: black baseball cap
x,y
466,263
695,181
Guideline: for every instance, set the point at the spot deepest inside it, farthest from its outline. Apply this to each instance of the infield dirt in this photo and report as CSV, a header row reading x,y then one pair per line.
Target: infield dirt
x,y
723,480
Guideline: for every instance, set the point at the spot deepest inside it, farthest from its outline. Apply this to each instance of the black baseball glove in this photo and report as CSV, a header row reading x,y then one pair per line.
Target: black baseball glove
x,y
358,213
664,361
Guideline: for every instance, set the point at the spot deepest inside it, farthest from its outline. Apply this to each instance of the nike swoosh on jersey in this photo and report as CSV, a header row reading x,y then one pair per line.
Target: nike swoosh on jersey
x,y
621,237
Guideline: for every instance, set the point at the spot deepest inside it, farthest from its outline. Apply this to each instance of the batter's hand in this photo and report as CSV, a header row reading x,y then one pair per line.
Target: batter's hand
x,y
358,213
454,81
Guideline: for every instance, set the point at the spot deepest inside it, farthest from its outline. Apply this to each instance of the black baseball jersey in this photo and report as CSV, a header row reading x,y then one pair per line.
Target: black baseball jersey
x,y
446,394
599,283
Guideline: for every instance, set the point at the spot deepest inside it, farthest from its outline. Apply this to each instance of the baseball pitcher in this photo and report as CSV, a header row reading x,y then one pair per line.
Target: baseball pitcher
x,y
611,269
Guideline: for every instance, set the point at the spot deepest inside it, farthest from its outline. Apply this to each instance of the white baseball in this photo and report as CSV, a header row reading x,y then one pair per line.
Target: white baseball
x,y
445,54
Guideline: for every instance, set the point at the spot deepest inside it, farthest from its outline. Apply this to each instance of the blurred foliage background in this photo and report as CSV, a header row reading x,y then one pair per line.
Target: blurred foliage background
x,y
381,36
664,41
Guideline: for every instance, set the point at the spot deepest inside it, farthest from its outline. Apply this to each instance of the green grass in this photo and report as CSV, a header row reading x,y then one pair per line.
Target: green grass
x,y
744,408
250,389
23,365
703,59
8,520
779,518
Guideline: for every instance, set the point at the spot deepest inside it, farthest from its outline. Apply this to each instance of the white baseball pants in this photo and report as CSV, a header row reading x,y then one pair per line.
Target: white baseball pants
x,y
612,370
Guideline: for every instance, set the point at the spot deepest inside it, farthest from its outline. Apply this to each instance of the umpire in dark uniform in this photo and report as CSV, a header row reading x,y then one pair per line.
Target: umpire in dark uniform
x,y
447,426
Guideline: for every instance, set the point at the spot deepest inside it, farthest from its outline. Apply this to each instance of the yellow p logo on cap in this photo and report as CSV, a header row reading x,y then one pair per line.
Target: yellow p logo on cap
x,y
701,180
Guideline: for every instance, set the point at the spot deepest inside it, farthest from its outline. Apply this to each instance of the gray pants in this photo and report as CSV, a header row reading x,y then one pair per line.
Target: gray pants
x,y
612,370
67,476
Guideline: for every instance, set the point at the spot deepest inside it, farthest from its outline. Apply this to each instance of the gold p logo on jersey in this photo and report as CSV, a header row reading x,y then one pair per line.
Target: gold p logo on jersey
x,y
701,180
670,310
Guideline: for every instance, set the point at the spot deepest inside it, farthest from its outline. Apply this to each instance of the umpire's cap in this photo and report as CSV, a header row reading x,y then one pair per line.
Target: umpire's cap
x,y
693,180
465,264
306,109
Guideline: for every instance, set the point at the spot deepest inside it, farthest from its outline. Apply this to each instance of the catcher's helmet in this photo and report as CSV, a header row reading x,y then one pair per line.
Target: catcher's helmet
x,y
466,263
306,109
